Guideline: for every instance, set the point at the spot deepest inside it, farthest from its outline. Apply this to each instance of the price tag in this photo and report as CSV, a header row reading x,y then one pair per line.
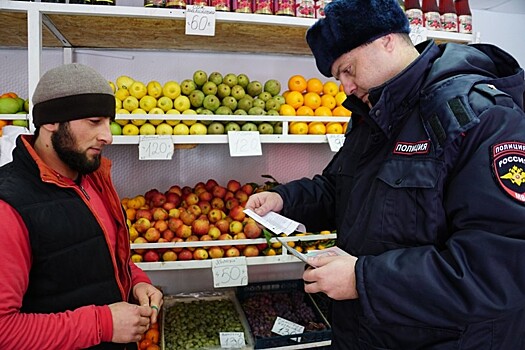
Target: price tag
x,y
229,272
335,141
244,143
155,147
418,34
200,20
232,339
282,326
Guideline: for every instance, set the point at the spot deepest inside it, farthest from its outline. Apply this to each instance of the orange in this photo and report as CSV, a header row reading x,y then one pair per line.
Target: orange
x,y
316,128
330,88
341,111
297,83
9,95
340,97
3,123
285,93
153,335
153,347
314,85
144,343
305,111
341,88
299,128
312,100
323,111
131,213
294,99
286,110
334,128
328,101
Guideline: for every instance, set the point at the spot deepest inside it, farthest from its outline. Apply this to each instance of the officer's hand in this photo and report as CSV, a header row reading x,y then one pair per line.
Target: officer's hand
x,y
334,276
265,202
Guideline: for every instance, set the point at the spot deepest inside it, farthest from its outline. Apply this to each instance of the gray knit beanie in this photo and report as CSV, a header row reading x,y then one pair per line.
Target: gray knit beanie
x,y
70,92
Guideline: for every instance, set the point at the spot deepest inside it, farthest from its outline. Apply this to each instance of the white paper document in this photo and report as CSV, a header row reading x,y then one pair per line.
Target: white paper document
x,y
276,223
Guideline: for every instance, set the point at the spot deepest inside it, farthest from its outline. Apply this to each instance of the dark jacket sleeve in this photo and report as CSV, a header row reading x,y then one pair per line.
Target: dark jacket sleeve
x,y
479,274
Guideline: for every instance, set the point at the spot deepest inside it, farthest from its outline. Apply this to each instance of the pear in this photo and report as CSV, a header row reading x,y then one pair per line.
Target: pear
x,y
200,77
215,77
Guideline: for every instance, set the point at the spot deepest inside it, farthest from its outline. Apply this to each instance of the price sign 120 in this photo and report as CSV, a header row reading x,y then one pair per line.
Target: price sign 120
x,y
155,147
244,143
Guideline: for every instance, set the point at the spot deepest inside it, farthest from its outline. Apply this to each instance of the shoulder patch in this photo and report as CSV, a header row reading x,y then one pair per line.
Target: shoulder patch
x,y
411,148
508,164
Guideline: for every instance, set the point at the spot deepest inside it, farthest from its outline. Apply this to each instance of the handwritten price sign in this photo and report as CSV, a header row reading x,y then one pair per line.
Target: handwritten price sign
x,y
244,143
200,20
229,272
155,147
418,34
282,326
232,339
335,141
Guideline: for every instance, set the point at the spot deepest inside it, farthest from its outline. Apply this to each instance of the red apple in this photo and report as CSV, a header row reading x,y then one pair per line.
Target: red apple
x,y
172,197
195,210
192,238
237,213
169,255
223,225
140,240
168,235
200,226
185,254
216,252
159,213
151,256
262,246
248,189
149,194
210,184
162,250
232,252
185,191
252,230
205,206
174,223
168,206
144,213
187,217
250,250
190,199
161,225
233,186
215,215
230,203
214,232
240,235
225,236
219,191
142,225
241,196
152,234
206,237
200,254
229,195
183,231
158,199
174,213
175,189
235,227
205,196
177,240
217,203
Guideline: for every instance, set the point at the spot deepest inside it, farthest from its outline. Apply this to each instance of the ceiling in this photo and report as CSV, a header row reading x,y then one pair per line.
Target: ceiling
x,y
507,6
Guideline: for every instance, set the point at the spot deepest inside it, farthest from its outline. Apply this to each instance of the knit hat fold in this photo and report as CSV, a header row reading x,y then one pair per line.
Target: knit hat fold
x,y
351,23
70,92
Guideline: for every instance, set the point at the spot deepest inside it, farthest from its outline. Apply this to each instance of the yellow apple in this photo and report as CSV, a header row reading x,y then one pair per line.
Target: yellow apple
x,y
138,122
130,103
124,82
198,129
121,94
154,89
138,89
164,129
148,102
155,121
181,129
138,111
165,103
182,103
171,89
112,86
130,130
173,122
147,129
118,103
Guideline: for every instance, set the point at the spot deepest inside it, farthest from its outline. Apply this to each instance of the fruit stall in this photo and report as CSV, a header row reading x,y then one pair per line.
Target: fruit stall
x,y
184,104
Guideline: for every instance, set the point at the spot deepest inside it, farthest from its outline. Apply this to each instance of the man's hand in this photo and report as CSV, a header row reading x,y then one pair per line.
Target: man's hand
x,y
149,296
334,276
129,321
264,202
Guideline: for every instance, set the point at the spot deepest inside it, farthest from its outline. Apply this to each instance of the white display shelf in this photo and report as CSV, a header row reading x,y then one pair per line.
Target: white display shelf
x,y
14,116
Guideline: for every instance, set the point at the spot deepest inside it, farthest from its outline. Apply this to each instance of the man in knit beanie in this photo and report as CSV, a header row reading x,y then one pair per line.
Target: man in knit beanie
x,y
437,132
65,260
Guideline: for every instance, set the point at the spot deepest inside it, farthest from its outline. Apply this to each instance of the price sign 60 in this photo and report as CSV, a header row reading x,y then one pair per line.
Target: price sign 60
x,y
200,20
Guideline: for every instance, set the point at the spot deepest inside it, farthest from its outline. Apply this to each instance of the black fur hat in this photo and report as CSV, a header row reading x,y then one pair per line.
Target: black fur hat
x,y
352,23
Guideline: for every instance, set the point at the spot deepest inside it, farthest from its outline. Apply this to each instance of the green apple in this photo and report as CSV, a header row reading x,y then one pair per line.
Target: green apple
x,y
243,80
165,103
245,103
257,102
230,101
249,126
209,88
273,112
211,102
223,90
238,92
200,77
187,86
215,77
278,128
230,79
115,128
196,98
223,110
254,88
232,126
272,103
8,105
22,122
265,128
265,96
216,128
171,89
240,112
280,99
272,86
256,111
204,111
26,105
164,129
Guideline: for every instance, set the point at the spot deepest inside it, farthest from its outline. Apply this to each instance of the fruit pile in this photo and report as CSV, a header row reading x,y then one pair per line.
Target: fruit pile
x,y
196,324
215,94
150,340
11,103
312,97
207,211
